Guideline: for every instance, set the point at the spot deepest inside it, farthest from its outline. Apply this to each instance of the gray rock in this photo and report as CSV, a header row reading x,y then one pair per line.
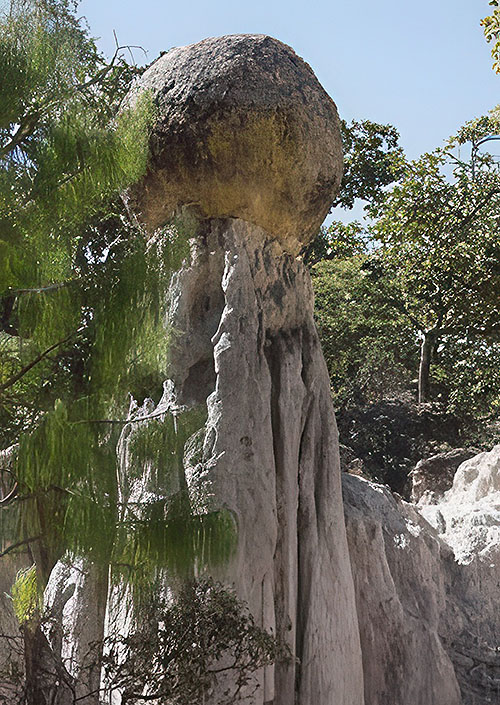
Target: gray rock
x,y
247,148
271,453
470,509
432,476
244,129
75,603
383,614
427,595
397,564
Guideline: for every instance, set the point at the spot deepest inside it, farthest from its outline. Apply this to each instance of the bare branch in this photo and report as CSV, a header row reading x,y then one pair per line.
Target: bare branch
x,y
12,494
15,378
41,289
19,544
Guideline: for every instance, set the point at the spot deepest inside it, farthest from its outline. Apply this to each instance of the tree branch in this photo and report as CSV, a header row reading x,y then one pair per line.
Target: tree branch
x,y
124,421
40,289
24,130
467,218
16,377
19,544
12,494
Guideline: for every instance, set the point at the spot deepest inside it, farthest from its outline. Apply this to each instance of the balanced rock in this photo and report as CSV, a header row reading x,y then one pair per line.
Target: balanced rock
x,y
244,129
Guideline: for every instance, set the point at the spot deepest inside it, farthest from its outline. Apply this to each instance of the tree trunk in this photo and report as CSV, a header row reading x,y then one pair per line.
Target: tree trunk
x,y
47,681
426,351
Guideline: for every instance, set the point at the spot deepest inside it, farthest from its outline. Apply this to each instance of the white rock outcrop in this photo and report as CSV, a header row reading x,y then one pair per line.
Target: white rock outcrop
x,y
468,516
427,596
271,453
246,145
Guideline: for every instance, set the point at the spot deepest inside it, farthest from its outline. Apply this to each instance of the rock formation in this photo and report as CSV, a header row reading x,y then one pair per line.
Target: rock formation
x,y
247,145
389,604
427,596
246,153
244,130
432,476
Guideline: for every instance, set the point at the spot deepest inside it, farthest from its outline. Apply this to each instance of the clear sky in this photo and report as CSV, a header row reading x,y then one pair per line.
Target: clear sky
x,y
422,66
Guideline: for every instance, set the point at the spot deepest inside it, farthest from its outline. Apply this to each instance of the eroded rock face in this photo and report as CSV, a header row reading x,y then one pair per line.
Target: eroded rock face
x,y
244,129
468,517
75,603
433,476
270,453
247,148
247,144
429,624
400,595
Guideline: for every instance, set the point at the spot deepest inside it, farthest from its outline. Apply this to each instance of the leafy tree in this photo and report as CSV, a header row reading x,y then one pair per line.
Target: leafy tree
x,y
442,247
64,153
82,317
369,347
337,241
181,650
373,159
176,653
491,27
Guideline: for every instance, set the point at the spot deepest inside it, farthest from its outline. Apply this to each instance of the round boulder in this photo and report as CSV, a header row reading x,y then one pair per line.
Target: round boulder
x,y
244,129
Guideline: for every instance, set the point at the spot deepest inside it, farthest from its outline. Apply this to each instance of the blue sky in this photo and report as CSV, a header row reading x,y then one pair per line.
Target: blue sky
x,y
422,66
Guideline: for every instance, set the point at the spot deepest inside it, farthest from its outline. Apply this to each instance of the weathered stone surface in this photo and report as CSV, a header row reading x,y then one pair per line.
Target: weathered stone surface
x,y
433,476
75,603
244,129
248,140
382,615
397,564
429,624
468,517
271,452
468,520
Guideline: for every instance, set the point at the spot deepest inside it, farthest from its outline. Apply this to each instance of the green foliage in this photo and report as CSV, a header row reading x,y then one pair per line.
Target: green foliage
x,y
466,375
373,159
338,241
424,274
83,297
491,28
441,246
477,129
181,649
369,348
172,529
63,151
440,238
26,598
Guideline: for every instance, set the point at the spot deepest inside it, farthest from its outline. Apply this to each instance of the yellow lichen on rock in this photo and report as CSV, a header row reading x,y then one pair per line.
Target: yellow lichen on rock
x,y
244,130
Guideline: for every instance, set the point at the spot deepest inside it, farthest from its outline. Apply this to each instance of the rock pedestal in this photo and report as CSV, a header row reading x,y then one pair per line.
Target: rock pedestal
x,y
271,453
246,146
395,610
